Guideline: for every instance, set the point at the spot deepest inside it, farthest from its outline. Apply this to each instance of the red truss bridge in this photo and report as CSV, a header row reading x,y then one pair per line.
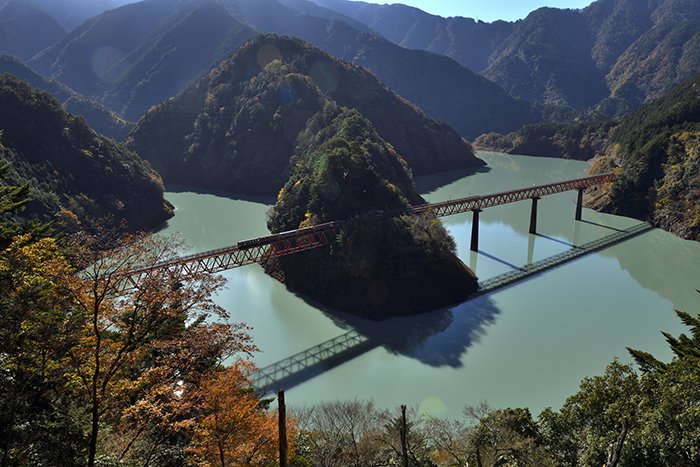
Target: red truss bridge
x,y
258,250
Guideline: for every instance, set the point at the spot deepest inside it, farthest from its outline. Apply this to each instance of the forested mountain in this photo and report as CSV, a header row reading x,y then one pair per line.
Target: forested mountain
x,y
71,13
237,126
26,30
82,58
658,148
470,42
548,59
662,58
375,269
611,56
133,57
77,178
100,118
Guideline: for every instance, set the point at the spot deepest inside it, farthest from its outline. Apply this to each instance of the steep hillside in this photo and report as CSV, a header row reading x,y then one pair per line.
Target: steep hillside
x,y
548,59
82,59
133,57
100,118
72,13
375,269
470,42
658,149
437,84
78,179
610,56
178,52
26,30
661,59
578,140
236,128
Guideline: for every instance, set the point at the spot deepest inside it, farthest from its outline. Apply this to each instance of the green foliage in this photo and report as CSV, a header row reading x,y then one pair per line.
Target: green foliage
x,y
101,119
77,178
657,148
375,268
660,408
239,125
661,59
577,140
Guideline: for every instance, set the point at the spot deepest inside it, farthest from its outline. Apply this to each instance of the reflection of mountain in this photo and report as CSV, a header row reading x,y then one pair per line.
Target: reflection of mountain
x,y
659,264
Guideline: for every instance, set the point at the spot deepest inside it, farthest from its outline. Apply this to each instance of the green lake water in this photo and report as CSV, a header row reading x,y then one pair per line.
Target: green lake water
x,y
528,345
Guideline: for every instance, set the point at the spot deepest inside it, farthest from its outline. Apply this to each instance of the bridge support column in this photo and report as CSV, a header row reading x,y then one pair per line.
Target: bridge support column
x,y
579,204
533,216
475,230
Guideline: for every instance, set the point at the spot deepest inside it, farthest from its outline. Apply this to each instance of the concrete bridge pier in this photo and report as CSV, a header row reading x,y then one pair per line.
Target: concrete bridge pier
x,y
475,230
533,216
579,204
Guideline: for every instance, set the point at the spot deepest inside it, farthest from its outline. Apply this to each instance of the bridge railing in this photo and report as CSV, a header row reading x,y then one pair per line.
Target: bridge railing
x,y
260,249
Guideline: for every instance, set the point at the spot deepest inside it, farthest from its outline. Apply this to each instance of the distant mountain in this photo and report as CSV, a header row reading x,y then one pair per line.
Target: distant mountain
x,y
78,178
173,56
100,118
236,128
82,59
470,42
133,57
71,13
548,59
658,149
661,59
610,57
398,266
26,30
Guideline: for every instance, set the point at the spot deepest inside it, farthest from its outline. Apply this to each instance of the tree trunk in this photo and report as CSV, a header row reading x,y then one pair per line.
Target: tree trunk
x,y
403,431
615,449
282,422
93,394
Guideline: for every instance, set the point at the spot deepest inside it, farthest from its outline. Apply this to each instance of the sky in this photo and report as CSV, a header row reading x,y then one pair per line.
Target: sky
x,y
486,10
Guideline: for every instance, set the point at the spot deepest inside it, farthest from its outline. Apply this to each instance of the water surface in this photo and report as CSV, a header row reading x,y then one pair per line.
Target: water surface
x,y
528,345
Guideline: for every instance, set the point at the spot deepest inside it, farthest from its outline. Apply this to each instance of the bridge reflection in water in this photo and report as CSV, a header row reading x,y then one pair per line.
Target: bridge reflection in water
x,y
305,365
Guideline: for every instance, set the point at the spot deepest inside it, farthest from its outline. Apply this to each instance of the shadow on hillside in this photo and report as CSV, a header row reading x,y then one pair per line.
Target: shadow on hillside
x,y
429,183
267,200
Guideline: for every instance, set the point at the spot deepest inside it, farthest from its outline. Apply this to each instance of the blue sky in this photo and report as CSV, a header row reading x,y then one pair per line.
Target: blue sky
x,y
486,10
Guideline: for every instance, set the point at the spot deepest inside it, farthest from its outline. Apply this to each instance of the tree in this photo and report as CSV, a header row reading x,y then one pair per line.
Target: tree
x,y
591,420
504,437
126,336
341,433
234,427
36,324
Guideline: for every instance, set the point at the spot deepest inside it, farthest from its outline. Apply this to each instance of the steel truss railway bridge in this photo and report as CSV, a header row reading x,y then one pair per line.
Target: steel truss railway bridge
x,y
261,249
317,359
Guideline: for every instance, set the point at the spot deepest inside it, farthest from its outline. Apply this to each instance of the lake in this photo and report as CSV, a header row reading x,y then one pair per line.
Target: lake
x,y
528,345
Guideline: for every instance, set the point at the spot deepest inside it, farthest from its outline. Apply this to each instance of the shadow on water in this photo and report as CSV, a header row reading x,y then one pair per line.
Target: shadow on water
x,y
439,338
498,260
430,183
600,225
556,240
267,200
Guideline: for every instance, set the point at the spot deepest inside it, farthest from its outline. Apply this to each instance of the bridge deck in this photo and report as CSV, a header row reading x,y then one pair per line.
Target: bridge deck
x,y
260,249
304,365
